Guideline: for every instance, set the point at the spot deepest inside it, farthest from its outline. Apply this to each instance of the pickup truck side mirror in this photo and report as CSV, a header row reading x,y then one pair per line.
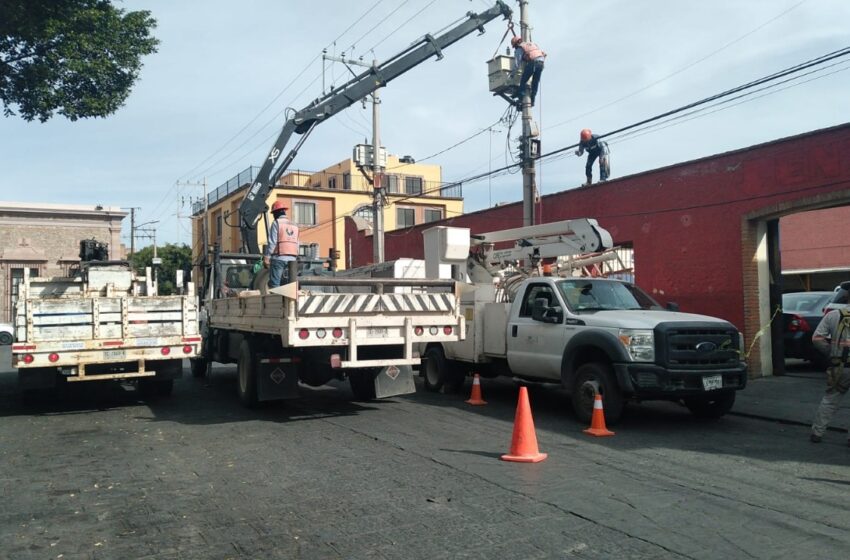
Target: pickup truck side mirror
x,y
672,306
540,311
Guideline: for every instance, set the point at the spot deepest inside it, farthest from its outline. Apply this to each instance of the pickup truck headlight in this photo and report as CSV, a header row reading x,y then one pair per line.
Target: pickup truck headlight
x,y
640,343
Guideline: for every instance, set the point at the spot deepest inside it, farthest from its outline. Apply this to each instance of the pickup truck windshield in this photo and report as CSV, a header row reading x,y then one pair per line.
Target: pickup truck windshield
x,y
595,294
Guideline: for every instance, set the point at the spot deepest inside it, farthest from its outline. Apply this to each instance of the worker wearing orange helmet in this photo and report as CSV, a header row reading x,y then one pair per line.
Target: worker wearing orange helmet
x,y
529,57
282,247
595,148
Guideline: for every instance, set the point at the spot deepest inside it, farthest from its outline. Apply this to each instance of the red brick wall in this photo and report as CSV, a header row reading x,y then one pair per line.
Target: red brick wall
x,y
816,239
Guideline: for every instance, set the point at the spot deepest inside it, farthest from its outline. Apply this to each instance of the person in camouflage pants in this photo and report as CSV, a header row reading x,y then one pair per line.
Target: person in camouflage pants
x,y
832,338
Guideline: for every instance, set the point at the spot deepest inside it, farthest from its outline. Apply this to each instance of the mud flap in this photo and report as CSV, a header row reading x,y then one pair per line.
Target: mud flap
x,y
277,380
394,380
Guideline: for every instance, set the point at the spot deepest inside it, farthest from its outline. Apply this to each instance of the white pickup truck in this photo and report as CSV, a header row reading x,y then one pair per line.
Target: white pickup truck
x,y
588,334
102,323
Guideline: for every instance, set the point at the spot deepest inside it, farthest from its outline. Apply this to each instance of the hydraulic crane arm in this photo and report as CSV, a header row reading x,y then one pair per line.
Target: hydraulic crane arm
x,y
557,239
304,121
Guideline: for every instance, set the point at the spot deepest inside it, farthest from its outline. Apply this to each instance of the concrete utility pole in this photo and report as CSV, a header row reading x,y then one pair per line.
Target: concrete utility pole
x,y
529,184
204,220
132,210
377,183
377,186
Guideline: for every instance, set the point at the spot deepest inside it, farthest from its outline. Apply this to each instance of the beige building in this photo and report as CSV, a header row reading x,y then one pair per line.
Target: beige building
x,y
319,202
45,238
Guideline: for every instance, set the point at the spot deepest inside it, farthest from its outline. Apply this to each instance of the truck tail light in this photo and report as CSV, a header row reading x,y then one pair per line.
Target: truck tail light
x,y
418,331
337,332
29,358
433,331
447,330
165,350
321,333
53,357
303,334
187,349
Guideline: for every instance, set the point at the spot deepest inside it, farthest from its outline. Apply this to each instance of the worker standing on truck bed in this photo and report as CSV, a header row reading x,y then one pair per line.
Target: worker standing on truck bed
x,y
282,247
529,60
595,148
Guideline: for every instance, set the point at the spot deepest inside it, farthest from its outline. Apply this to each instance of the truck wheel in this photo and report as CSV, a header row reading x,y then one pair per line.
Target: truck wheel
x,y
593,377
199,367
711,406
438,373
247,378
363,384
5,339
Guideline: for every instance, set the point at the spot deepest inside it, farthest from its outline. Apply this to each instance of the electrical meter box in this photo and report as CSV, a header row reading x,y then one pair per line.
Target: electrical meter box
x,y
499,71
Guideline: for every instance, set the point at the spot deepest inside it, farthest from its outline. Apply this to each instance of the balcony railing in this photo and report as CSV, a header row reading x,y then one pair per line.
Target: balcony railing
x,y
400,185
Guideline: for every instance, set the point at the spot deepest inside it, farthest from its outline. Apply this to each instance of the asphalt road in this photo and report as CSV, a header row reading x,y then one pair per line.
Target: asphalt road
x,y
98,473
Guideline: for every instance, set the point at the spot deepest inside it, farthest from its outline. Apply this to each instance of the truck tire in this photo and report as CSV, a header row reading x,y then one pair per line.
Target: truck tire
x,y
438,373
5,339
199,367
246,384
363,384
593,377
711,406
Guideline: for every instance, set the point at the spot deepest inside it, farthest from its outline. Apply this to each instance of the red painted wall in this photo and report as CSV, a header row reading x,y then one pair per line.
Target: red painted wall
x,y
816,239
684,221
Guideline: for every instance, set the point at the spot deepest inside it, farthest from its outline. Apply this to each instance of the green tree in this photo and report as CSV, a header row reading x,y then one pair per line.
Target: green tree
x,y
76,57
174,257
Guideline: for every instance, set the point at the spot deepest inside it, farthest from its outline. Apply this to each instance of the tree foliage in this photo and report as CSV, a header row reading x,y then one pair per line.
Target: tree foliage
x,y
174,257
76,57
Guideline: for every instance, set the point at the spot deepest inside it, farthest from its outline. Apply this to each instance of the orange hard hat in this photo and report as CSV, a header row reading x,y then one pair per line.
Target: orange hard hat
x,y
278,206
586,134
516,40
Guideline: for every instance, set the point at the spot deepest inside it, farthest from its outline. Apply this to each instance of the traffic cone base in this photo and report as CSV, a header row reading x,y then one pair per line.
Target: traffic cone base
x,y
597,421
524,440
475,397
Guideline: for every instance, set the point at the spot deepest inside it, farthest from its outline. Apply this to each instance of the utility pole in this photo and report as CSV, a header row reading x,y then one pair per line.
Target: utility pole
x,y
204,224
377,187
377,183
132,210
527,142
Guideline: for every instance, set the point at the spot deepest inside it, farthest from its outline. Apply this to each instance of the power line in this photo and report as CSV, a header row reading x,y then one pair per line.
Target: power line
x,y
394,31
680,70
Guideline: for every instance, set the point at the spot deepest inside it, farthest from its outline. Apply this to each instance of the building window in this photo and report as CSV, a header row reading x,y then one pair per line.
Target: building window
x,y
218,227
405,217
433,215
364,212
413,185
392,183
346,181
305,213
332,182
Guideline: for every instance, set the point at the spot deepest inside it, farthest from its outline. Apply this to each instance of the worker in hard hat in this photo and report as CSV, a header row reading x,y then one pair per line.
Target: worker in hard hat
x,y
282,247
529,58
595,148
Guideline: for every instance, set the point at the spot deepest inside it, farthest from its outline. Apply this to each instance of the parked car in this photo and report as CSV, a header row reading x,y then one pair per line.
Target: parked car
x,y
7,335
802,311
840,297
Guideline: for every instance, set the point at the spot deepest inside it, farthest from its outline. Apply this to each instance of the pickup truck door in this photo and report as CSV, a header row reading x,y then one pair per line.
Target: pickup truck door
x,y
535,348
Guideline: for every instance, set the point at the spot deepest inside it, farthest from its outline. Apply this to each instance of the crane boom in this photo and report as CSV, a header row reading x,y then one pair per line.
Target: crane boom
x,y
304,121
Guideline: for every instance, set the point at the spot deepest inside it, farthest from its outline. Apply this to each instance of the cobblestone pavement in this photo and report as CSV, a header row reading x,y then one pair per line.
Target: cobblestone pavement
x,y
97,473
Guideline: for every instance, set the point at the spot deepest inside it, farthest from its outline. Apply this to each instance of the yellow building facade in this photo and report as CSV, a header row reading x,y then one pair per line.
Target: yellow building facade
x,y
320,201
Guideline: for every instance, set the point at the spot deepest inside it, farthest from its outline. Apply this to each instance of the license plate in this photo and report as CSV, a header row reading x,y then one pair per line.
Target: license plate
x,y
712,382
114,354
378,332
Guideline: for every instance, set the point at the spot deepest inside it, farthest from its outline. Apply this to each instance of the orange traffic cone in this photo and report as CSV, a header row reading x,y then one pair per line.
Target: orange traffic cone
x,y
475,397
597,421
524,441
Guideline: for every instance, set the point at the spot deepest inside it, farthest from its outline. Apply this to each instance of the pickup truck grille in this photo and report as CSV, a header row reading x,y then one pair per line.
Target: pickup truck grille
x,y
696,345
345,304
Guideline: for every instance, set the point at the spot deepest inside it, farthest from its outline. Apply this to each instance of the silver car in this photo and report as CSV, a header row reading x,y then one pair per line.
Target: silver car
x,y
7,335
840,298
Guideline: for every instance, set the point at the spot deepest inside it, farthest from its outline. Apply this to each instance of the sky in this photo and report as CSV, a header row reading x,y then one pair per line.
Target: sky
x,y
210,102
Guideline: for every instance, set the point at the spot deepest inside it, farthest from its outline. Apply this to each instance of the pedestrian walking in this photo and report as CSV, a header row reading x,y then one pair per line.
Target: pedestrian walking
x,y
529,59
282,247
832,338
595,148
